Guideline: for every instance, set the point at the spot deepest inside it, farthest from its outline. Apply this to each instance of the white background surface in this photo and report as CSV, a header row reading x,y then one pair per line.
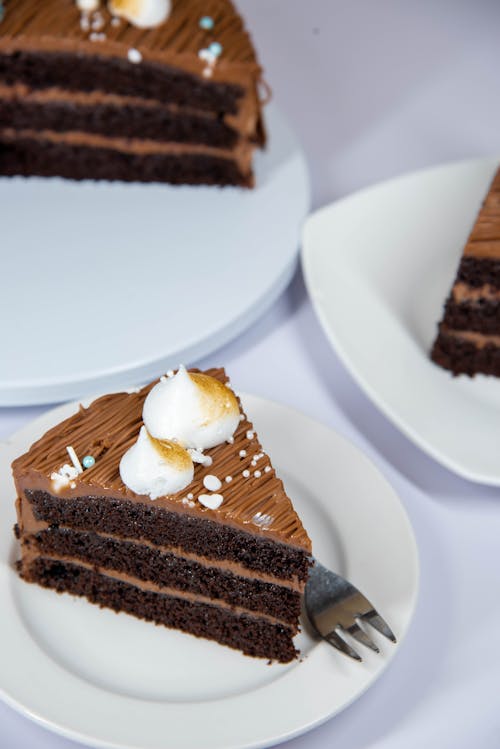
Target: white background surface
x,y
374,90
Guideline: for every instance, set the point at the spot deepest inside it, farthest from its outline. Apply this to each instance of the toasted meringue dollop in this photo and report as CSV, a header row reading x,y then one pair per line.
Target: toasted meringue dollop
x,y
195,409
142,13
156,467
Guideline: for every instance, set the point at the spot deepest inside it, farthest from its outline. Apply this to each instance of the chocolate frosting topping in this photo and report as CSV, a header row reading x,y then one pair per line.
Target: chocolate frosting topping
x,y
54,25
256,501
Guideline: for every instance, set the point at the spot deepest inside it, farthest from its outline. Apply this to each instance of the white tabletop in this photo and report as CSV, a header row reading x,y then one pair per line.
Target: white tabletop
x,y
374,90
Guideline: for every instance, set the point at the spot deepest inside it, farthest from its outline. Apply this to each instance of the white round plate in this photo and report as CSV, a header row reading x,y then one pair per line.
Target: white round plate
x,y
115,681
378,267
105,283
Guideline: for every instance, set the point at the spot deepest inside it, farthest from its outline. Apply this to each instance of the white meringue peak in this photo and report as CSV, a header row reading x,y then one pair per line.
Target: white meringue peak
x,y
144,14
156,467
193,409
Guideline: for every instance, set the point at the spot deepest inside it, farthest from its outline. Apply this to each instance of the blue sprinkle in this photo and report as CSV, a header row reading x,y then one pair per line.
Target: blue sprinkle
x,y
88,461
215,48
206,23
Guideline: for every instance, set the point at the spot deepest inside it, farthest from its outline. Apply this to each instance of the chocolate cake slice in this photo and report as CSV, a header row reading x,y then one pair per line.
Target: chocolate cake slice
x,y
224,557
132,90
468,340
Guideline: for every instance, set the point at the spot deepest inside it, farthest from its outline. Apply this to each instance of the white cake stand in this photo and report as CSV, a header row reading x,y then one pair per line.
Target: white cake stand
x,y
106,284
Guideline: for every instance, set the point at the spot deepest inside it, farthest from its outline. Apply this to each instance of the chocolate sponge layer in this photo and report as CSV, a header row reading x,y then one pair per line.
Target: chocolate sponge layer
x,y
28,157
254,636
463,357
134,520
169,570
75,72
124,121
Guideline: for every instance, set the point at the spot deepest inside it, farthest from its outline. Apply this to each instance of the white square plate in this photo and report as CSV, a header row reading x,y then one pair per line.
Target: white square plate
x,y
379,266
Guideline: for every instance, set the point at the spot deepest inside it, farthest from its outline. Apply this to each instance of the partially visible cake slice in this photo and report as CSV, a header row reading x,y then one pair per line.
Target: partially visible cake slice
x,y
130,90
224,557
468,340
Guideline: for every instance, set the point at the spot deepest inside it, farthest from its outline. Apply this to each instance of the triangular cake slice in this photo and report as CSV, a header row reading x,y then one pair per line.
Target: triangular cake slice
x,y
234,573
468,340
129,90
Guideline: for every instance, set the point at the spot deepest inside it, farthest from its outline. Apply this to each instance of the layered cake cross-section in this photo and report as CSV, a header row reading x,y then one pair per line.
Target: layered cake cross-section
x,y
163,504
468,340
131,90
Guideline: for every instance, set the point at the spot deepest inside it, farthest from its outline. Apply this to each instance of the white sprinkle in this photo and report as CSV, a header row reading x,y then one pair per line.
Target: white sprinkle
x,y
267,469
135,56
257,474
115,21
258,456
250,435
242,417
97,22
74,458
242,453
190,496
229,479
170,372
253,463
97,36
212,501
211,482
230,440
185,501
84,22
246,473
73,485
192,504
207,72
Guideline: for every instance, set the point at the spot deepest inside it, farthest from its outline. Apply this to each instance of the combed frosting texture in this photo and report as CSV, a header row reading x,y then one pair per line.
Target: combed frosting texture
x,y
142,13
156,467
194,409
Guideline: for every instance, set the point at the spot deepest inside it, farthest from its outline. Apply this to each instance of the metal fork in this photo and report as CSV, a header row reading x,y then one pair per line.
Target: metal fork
x,y
335,607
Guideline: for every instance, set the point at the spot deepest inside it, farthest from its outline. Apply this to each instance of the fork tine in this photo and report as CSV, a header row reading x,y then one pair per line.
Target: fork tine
x,y
373,617
334,639
360,635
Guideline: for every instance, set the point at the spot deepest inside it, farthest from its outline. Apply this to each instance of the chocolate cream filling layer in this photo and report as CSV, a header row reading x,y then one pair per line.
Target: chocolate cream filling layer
x,y
29,556
131,116
478,340
241,154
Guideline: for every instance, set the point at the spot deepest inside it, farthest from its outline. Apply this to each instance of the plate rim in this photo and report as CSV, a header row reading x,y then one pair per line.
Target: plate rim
x,y
318,653
380,402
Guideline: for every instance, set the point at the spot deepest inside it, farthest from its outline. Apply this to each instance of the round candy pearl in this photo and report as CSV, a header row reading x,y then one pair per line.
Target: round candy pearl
x,y
215,48
88,461
206,23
